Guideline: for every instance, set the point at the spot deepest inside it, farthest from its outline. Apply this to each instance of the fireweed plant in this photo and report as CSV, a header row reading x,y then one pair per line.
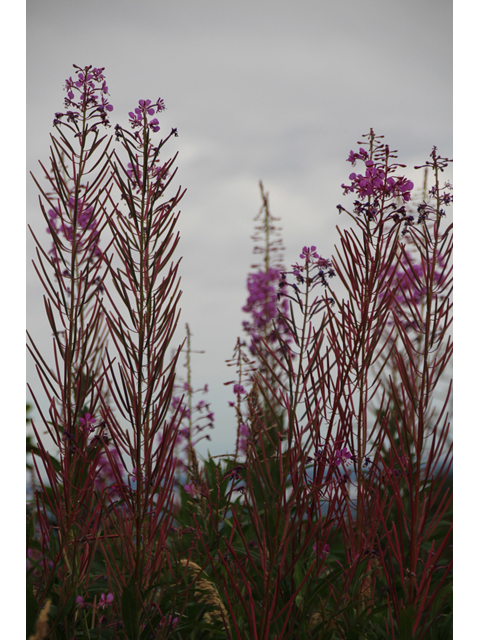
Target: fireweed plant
x,y
193,417
332,517
268,318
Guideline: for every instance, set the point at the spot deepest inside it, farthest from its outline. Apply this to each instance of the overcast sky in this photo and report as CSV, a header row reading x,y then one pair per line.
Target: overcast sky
x,y
278,91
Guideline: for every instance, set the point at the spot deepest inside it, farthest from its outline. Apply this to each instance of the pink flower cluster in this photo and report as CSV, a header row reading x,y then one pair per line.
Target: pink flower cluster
x,y
146,108
263,306
105,601
376,183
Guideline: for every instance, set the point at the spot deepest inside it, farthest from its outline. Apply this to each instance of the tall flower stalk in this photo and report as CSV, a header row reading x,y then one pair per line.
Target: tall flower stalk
x,y
267,324
142,317
390,323
72,273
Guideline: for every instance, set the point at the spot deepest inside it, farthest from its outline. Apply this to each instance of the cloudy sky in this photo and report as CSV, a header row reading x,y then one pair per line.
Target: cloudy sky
x,y
278,91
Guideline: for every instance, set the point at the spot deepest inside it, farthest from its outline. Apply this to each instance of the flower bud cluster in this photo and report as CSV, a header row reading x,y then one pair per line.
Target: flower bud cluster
x,y
442,195
144,172
191,422
313,271
87,96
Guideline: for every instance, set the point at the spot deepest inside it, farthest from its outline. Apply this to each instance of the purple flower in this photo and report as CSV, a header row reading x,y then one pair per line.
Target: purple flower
x,y
146,108
309,253
86,226
262,305
342,456
105,602
160,105
261,302
404,187
175,402
243,434
81,603
323,552
238,388
312,261
105,105
170,622
88,422
376,183
154,125
135,118
136,475
361,155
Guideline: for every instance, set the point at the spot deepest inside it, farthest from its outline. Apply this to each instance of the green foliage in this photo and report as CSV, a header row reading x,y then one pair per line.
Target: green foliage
x,y
32,607
130,611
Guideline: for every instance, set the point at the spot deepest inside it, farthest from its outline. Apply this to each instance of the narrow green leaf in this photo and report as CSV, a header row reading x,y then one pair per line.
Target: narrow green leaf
x,y
405,624
55,463
32,608
129,611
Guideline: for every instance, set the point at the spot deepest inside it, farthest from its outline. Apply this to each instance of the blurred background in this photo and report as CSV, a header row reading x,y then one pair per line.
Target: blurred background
x,y
273,91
